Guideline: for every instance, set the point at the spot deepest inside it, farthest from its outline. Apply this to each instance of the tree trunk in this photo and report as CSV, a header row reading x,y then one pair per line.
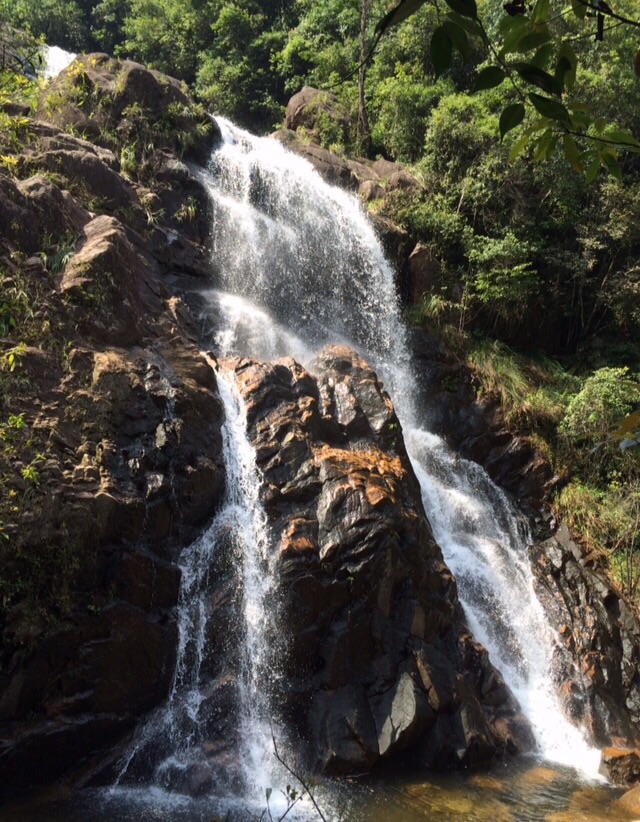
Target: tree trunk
x,y
364,133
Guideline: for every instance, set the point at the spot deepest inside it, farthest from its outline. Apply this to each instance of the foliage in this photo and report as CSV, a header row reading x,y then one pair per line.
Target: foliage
x,y
605,397
532,47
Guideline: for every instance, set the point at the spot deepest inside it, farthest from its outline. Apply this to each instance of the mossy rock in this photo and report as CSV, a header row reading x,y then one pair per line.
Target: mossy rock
x,y
123,105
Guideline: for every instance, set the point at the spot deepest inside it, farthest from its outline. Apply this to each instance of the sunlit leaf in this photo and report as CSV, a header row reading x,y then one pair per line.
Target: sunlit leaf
x,y
592,170
532,41
542,56
572,153
541,11
610,162
518,147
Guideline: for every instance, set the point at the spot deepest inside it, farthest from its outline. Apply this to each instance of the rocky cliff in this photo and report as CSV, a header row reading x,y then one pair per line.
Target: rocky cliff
x,y
110,463
110,420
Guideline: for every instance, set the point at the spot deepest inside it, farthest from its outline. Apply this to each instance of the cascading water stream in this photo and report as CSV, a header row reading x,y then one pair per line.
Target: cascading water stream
x,y
171,741
308,266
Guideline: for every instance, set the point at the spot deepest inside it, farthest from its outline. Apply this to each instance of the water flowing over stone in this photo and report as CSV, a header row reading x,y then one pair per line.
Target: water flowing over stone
x,y
304,257
175,744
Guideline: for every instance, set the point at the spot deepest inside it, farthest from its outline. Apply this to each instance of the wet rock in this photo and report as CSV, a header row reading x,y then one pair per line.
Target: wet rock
x,y
380,649
599,655
621,765
629,802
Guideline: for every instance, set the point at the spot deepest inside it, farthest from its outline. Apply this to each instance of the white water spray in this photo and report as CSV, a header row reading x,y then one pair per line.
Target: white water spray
x,y
309,267
173,738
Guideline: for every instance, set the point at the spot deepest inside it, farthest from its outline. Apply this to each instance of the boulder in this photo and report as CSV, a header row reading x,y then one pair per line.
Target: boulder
x,y
621,766
629,802
313,110
380,659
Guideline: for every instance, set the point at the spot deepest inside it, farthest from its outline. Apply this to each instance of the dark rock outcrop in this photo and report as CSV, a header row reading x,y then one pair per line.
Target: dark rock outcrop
x,y
599,663
380,659
114,460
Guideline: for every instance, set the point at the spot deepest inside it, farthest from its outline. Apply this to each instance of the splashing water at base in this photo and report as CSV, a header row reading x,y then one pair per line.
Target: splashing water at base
x,y
174,737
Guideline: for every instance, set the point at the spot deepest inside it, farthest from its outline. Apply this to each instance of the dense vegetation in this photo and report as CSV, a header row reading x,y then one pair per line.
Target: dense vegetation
x,y
533,259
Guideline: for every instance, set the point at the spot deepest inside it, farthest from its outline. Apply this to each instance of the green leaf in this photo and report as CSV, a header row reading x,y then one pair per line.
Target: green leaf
x,y
541,57
467,24
550,108
566,52
610,162
512,40
579,9
489,77
458,37
572,153
580,120
545,146
532,41
518,148
398,14
619,135
467,8
441,50
511,117
592,170
538,77
563,67
541,11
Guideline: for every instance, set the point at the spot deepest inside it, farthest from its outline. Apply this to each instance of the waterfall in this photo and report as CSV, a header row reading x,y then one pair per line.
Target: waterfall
x,y
300,266
172,741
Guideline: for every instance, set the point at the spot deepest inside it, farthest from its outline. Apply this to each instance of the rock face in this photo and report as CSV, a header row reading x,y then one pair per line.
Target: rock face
x,y
380,660
599,663
110,445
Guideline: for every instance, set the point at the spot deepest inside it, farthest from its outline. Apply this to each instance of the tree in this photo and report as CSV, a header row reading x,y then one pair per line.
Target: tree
x,y
533,49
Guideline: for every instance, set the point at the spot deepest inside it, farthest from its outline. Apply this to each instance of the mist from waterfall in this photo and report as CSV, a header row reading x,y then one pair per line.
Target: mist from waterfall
x,y
300,266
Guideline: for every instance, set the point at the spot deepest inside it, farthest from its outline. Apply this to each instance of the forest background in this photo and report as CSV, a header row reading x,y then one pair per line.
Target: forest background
x,y
536,236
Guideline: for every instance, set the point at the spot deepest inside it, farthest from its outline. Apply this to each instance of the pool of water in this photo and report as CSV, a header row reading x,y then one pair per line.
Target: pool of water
x,y
522,791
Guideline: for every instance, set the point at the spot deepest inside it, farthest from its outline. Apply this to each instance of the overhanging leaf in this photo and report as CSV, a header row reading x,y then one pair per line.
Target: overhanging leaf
x,y
532,41
467,8
610,162
489,77
511,117
538,77
519,147
572,153
579,9
566,52
541,11
398,14
636,63
441,50
550,108
467,24
458,37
